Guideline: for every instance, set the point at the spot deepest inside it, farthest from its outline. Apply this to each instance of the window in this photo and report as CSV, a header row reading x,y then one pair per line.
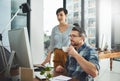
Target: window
x,y
22,19
83,12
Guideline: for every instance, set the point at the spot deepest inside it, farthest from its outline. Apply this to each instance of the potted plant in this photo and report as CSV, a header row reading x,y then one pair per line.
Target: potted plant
x,y
46,72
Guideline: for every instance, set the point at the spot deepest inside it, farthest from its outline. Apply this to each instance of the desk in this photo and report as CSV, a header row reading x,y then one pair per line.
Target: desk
x,y
35,79
103,55
15,72
56,74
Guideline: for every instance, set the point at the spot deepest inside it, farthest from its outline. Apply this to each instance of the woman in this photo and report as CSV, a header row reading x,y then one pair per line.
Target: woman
x,y
59,39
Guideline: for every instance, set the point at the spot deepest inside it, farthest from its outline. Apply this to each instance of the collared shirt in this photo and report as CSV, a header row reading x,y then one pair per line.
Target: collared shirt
x,y
73,68
59,39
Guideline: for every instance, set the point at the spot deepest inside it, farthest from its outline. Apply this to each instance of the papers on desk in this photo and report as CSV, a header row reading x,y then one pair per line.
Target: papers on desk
x,y
57,78
61,78
37,74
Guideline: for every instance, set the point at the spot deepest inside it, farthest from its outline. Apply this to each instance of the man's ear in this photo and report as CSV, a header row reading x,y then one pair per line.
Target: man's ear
x,y
83,37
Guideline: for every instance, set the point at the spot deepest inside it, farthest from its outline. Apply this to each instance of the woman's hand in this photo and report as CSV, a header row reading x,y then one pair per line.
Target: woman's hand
x,y
47,60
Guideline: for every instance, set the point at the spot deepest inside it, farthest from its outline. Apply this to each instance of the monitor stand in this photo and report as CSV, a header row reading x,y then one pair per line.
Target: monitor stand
x,y
8,67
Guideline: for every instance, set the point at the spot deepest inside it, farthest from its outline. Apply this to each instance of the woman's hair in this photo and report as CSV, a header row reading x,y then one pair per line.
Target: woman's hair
x,y
62,9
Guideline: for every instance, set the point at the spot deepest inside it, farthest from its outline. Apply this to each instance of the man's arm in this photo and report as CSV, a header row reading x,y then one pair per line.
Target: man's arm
x,y
87,66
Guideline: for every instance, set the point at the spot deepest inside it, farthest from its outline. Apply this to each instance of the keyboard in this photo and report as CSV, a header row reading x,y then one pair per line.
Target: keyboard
x,y
38,68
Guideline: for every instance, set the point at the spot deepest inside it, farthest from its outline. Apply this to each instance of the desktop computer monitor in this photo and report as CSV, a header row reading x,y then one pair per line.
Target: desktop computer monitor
x,y
19,42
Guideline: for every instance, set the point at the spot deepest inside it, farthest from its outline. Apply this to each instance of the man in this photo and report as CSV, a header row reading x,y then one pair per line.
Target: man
x,y
82,61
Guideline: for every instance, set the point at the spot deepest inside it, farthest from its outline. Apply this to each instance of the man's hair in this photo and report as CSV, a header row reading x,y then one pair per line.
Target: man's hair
x,y
80,30
76,24
62,9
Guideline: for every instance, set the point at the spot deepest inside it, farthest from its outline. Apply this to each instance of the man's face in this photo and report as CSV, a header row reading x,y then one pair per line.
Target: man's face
x,y
76,39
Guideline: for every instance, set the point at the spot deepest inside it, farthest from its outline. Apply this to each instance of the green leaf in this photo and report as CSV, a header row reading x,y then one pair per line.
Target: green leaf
x,y
42,72
47,71
49,75
47,68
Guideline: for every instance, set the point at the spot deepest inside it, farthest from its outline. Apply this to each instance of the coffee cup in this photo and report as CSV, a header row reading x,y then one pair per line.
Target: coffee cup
x,y
65,48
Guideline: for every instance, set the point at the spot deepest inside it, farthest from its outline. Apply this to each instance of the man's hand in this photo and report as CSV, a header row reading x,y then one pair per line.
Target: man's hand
x,y
72,51
59,69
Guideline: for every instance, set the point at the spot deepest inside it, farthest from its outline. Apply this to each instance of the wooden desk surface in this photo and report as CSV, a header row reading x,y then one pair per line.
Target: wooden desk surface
x,y
15,72
109,55
103,55
56,74
44,80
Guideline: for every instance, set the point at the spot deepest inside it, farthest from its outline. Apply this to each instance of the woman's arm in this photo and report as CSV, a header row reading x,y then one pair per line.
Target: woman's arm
x,y
50,49
47,59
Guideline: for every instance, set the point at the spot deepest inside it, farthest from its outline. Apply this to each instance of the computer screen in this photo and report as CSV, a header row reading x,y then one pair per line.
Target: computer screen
x,y
19,42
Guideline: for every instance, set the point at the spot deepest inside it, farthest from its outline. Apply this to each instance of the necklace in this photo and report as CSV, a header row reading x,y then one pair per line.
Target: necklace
x,y
63,28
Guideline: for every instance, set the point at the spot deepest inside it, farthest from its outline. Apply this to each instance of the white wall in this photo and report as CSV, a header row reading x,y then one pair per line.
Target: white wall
x,y
43,19
116,20
37,33
104,23
50,19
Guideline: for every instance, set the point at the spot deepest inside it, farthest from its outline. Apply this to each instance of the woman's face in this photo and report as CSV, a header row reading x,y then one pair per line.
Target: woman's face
x,y
61,17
